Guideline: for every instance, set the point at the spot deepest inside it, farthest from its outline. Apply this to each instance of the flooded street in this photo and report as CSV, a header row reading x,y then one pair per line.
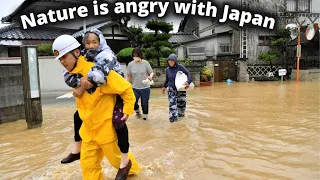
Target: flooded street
x,y
259,130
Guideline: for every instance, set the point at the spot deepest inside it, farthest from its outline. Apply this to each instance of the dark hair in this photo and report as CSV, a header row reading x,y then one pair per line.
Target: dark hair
x,y
137,52
87,34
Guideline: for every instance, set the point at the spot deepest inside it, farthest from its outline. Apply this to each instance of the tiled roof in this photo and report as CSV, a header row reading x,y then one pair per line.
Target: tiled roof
x,y
13,32
181,37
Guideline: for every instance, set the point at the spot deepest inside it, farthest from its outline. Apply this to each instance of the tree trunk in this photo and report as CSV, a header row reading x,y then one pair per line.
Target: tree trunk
x,y
158,60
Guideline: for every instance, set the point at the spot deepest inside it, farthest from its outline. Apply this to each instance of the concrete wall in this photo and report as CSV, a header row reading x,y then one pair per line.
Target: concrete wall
x,y
11,96
242,71
307,75
50,72
51,75
160,75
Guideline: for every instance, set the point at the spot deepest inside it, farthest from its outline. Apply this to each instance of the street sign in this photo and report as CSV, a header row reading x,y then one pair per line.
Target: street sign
x,y
282,72
298,50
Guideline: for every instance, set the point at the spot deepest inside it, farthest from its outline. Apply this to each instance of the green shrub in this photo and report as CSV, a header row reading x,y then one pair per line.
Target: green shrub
x,y
125,54
45,49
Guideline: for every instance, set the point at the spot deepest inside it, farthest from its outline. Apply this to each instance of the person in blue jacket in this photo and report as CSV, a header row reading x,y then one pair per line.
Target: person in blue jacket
x,y
177,99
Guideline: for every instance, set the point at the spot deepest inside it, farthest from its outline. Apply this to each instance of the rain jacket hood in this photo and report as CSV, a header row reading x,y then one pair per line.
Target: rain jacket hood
x,y
173,57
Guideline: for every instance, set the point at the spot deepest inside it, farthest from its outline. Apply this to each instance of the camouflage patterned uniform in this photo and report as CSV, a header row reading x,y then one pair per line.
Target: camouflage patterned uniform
x,y
177,103
104,60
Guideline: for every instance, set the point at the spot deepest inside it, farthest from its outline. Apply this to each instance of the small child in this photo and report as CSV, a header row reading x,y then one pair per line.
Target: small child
x,y
97,50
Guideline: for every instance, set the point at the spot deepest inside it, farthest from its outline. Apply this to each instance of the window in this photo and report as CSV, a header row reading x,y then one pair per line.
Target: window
x,y
225,48
13,51
264,40
196,51
298,5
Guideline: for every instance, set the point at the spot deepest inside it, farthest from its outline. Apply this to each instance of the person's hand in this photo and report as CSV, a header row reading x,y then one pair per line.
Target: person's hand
x,y
150,78
163,90
125,117
78,92
85,83
187,85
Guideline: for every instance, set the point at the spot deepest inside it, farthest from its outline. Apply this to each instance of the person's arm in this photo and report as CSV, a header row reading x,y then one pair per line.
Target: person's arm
x,y
116,84
72,80
150,71
104,62
165,84
184,70
129,76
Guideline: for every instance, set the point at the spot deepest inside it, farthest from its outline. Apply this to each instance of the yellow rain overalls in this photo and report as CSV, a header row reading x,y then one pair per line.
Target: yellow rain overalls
x,y
97,132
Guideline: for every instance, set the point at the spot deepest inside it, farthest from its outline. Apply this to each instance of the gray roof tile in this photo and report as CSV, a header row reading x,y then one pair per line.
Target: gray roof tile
x,y
182,37
13,32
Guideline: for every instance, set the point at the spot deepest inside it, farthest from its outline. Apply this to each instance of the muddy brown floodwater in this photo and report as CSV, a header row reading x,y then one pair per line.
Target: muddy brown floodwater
x,y
239,131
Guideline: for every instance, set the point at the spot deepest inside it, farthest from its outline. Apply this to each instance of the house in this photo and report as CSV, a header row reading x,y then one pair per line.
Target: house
x,y
13,36
210,40
245,43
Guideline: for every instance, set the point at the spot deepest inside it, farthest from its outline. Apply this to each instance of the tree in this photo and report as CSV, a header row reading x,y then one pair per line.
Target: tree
x,y
45,49
136,35
157,45
268,57
279,44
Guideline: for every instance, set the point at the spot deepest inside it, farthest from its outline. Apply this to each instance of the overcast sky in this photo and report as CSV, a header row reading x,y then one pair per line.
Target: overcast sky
x,y
7,8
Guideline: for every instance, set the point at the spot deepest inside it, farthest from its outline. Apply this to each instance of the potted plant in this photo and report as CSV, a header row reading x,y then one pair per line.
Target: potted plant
x,y
206,76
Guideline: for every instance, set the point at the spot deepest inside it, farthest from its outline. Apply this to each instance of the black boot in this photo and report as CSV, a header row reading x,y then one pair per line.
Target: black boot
x,y
124,172
70,158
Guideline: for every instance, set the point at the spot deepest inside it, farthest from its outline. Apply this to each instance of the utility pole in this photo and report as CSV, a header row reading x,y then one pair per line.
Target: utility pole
x,y
31,86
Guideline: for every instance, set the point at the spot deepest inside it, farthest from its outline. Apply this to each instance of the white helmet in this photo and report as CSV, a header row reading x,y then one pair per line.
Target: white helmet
x,y
64,44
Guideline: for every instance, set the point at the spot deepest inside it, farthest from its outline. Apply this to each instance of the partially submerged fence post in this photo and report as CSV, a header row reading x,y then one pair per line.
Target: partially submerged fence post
x,y
31,86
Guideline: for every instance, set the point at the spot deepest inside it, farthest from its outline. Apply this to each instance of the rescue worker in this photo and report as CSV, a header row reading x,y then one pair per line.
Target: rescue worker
x,y
96,111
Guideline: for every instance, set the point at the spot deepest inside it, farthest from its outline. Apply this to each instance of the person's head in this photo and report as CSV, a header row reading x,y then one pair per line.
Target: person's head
x,y
172,60
137,54
91,40
66,49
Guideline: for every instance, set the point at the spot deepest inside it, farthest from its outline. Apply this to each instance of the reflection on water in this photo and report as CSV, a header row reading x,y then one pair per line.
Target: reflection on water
x,y
239,131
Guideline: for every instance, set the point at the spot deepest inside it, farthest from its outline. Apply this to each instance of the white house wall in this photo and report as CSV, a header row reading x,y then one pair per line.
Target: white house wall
x,y
51,75
200,43
315,7
210,44
106,30
180,52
